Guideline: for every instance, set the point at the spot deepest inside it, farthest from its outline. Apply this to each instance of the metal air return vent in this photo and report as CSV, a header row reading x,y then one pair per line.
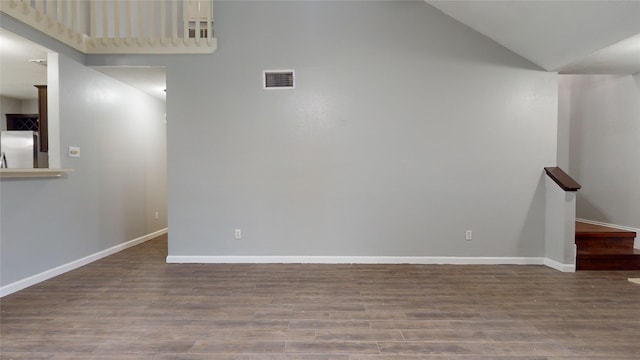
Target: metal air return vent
x,y
279,79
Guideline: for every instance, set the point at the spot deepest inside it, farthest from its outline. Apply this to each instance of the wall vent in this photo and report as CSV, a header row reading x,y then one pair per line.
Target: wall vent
x,y
279,79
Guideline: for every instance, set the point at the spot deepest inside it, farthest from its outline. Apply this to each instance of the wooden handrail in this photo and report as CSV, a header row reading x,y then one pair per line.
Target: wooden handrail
x,y
563,180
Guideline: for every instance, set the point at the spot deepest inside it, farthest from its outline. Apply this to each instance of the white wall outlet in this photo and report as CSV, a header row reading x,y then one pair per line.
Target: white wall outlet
x,y
157,215
237,234
74,151
468,235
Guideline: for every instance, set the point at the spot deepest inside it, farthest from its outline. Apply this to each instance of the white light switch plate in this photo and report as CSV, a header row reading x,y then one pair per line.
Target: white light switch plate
x,y
74,151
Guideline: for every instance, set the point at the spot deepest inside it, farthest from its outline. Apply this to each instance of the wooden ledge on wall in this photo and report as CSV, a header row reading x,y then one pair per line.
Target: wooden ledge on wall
x,y
32,173
563,179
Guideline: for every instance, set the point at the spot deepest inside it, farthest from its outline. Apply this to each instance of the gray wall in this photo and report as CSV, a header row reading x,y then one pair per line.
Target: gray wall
x,y
604,138
118,183
29,106
405,129
564,121
8,106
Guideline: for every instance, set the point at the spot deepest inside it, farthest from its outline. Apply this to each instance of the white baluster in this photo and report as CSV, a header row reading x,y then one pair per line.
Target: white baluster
x,y
209,22
105,22
163,22
70,21
49,12
67,21
152,22
80,30
198,17
26,8
39,5
129,21
174,22
185,20
60,11
92,15
140,23
60,16
116,21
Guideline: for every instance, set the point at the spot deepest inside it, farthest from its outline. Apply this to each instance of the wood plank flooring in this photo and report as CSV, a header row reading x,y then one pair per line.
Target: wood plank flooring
x,y
132,305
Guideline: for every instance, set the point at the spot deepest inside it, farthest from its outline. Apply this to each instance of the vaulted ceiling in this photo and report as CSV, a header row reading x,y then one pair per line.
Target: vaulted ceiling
x,y
564,36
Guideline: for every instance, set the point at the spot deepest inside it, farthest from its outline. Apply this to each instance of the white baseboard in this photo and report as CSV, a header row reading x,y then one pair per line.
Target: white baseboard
x,y
418,260
559,266
45,275
621,227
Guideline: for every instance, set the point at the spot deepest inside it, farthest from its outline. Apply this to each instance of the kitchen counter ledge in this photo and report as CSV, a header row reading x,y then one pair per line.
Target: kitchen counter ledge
x,y
32,173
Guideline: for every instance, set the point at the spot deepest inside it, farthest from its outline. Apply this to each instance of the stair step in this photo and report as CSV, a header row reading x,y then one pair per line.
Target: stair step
x,y
597,236
590,230
608,251
608,259
605,248
605,242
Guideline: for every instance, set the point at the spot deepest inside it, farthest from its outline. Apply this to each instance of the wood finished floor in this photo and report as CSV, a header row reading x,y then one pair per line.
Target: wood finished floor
x,y
133,305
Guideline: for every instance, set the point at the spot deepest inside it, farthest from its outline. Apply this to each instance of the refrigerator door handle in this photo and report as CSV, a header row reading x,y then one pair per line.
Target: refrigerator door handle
x,y
3,161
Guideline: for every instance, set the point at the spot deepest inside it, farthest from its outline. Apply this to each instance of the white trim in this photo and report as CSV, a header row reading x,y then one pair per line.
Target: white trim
x,y
627,228
46,275
559,266
423,260
32,173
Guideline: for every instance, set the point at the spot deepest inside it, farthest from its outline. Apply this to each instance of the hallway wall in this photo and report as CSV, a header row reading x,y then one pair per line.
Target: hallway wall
x,y
117,183
604,140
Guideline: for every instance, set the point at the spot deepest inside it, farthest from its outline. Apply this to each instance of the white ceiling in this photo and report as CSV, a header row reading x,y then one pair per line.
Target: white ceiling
x,y
17,75
619,58
564,36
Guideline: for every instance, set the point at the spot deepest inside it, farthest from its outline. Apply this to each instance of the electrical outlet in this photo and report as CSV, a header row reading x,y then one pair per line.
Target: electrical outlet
x,y
74,151
468,235
237,234
157,215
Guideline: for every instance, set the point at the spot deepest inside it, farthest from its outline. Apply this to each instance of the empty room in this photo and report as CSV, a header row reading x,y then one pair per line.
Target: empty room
x,y
336,180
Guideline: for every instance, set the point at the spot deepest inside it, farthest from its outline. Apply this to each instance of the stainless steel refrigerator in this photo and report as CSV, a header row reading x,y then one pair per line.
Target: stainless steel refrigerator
x,y
19,149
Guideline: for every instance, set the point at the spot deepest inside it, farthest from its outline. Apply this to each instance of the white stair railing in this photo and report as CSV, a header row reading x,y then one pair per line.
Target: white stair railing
x,y
121,26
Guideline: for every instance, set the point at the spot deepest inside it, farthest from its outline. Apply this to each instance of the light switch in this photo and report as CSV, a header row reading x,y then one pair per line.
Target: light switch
x,y
74,151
